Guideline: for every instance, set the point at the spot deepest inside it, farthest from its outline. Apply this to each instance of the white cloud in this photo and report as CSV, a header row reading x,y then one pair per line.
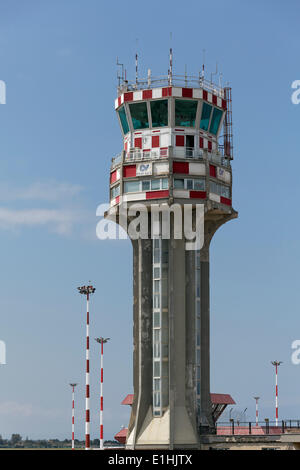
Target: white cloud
x,y
42,191
51,204
59,220
25,410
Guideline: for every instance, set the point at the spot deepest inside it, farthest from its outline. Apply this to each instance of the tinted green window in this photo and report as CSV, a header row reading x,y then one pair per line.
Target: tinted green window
x,y
115,191
189,184
159,113
165,183
199,185
155,184
123,120
215,121
178,184
139,115
205,117
146,185
185,113
220,189
156,319
131,186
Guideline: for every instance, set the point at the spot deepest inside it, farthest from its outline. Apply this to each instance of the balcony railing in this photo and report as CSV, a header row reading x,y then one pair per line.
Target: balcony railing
x,y
266,427
136,155
187,81
154,154
115,161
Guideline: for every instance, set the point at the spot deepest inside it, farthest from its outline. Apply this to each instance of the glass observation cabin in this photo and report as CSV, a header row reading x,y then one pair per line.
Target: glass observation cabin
x,y
171,112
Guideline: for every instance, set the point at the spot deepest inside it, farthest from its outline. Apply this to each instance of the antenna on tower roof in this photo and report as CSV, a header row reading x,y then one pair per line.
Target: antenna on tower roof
x,y
214,73
136,68
122,69
171,61
203,65
220,79
136,63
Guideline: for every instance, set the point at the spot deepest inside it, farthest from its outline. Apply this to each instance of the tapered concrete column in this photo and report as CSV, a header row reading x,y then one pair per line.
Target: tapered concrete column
x,y
142,335
189,412
205,419
182,430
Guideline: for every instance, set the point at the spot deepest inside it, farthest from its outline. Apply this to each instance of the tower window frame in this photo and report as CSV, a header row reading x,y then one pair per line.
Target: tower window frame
x,y
185,117
139,115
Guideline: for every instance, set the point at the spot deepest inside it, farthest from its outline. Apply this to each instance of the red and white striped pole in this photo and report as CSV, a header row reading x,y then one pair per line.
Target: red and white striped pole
x,y
256,410
276,364
87,377
73,415
101,341
87,290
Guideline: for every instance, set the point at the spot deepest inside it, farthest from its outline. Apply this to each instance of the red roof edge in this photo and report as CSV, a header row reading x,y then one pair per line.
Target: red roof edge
x,y
216,399
128,400
121,436
221,399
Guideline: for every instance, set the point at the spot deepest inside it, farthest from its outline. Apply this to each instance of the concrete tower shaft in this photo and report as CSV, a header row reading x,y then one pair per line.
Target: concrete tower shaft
x,y
171,155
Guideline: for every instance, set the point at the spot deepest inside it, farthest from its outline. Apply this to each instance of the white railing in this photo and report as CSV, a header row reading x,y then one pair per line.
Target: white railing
x,y
136,155
115,161
200,154
188,81
154,154
188,152
218,159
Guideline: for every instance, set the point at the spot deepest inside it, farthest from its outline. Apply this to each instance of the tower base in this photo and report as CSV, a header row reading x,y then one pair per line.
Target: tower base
x,y
155,432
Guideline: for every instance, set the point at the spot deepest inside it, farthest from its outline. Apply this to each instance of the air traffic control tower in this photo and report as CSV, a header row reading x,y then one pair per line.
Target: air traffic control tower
x,y
177,134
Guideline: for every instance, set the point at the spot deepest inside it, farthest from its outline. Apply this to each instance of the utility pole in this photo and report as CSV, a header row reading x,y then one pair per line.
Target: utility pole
x,y
73,415
276,364
87,291
256,409
101,341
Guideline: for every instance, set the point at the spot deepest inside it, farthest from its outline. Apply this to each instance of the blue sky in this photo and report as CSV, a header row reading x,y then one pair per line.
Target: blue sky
x,y
58,135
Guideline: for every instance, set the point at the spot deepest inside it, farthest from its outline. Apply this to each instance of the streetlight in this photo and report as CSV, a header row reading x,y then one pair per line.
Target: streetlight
x,y
101,341
256,409
276,364
244,413
87,291
73,415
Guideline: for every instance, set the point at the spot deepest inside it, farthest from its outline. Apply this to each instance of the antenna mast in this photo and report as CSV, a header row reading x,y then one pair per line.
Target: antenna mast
x,y
122,69
214,73
203,65
171,62
136,64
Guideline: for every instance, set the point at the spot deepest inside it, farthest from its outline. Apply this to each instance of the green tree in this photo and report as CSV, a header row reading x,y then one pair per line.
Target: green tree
x,y
15,439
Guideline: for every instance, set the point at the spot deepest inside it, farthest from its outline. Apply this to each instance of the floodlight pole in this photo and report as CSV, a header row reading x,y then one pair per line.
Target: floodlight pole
x,y
256,409
73,415
101,341
276,364
87,291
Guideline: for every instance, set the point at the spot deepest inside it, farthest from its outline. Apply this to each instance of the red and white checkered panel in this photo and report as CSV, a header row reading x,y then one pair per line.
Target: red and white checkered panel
x,y
187,194
196,93
220,199
145,195
163,194
114,176
195,168
158,168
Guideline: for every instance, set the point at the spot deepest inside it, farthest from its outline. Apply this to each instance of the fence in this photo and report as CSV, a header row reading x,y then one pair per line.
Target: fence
x,y
266,427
